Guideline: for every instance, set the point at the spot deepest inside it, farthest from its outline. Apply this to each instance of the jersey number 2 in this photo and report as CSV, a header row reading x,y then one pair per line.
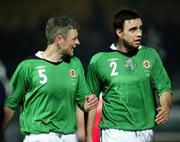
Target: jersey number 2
x,y
113,65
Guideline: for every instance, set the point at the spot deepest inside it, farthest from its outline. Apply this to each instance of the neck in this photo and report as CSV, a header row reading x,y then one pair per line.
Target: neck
x,y
52,54
125,48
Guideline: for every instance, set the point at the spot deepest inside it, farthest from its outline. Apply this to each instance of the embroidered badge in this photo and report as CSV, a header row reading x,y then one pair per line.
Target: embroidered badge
x,y
130,64
146,64
72,73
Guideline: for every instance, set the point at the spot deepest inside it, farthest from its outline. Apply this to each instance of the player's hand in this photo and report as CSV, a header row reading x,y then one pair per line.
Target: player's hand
x,y
162,115
91,102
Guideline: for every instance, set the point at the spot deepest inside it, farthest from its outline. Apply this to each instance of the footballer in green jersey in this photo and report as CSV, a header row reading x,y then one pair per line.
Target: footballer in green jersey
x,y
58,86
49,86
126,83
129,77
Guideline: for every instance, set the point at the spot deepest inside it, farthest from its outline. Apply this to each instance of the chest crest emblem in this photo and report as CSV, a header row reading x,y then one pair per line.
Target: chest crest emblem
x,y
146,64
72,73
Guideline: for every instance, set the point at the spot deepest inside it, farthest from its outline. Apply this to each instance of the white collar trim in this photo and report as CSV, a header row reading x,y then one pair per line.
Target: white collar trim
x,y
113,47
39,54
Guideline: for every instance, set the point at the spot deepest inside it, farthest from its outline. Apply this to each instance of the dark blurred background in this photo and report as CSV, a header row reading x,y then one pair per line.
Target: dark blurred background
x,y
22,33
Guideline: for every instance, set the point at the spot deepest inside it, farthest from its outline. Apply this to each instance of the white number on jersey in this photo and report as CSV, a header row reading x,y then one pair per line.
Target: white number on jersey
x,y
43,76
113,65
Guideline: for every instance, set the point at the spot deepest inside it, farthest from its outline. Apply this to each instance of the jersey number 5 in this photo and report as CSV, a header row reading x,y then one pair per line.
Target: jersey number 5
x,y
42,75
113,65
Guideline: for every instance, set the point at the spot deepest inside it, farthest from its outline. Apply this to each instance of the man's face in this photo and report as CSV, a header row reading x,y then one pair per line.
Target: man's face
x,y
132,33
70,43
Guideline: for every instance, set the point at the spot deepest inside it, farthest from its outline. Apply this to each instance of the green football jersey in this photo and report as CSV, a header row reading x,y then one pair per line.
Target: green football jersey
x,y
128,86
47,93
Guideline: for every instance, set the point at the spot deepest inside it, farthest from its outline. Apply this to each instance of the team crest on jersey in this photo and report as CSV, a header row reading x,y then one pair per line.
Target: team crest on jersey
x,y
130,64
146,64
72,73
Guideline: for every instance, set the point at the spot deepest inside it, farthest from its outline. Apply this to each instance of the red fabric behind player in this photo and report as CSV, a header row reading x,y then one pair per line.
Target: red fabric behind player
x,y
96,130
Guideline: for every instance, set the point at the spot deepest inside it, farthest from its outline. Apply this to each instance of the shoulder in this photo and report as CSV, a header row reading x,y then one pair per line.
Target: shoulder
x,y
75,62
99,56
27,62
148,50
75,59
23,64
150,54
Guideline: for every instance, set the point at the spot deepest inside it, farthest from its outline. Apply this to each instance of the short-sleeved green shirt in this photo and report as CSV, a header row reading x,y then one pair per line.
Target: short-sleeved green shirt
x,y
47,94
129,85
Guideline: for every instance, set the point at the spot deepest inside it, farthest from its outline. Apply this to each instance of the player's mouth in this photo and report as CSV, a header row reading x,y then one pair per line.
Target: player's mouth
x,y
138,41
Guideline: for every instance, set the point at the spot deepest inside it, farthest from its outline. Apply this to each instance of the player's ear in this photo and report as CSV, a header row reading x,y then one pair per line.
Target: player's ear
x,y
119,33
58,39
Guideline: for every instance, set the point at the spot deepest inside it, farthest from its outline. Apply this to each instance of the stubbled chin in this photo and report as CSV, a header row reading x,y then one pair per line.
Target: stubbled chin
x,y
71,54
137,44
